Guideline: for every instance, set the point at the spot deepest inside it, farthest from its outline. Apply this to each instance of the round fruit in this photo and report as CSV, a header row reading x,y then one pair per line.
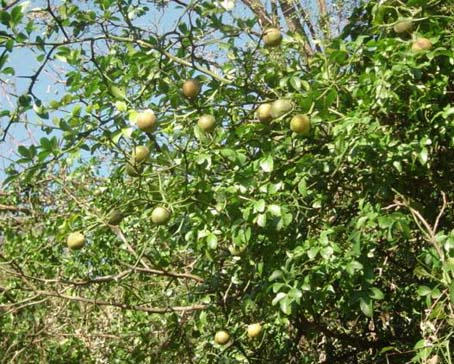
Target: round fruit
x,y
75,241
115,217
132,169
207,123
421,44
160,216
300,124
191,88
403,25
254,330
140,153
146,121
264,113
272,37
222,337
280,107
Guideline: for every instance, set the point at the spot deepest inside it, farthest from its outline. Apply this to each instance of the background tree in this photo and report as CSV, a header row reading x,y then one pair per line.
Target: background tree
x,y
148,220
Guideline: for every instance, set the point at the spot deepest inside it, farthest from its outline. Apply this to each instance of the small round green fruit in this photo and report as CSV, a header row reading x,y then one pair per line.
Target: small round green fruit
x,y
140,153
160,216
403,26
272,37
254,330
421,44
115,217
146,121
301,124
191,88
264,113
280,107
207,123
75,241
222,337
133,169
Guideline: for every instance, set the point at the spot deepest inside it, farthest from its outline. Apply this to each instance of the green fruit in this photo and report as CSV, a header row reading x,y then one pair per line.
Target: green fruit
x,y
280,107
140,153
146,121
115,217
272,37
264,113
160,216
421,44
75,241
300,124
191,88
254,330
403,26
222,337
207,123
133,169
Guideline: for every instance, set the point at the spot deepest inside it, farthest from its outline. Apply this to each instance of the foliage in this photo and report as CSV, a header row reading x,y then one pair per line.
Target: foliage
x,y
339,242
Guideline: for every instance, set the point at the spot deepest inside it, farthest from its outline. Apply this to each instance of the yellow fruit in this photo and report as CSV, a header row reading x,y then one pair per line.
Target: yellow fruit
x,y
133,169
75,240
160,216
403,25
222,337
207,122
115,217
300,124
280,107
272,37
191,88
264,113
254,330
421,44
146,121
140,153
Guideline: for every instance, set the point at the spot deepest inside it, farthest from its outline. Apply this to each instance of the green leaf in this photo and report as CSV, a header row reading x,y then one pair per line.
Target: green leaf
x,y
365,303
267,164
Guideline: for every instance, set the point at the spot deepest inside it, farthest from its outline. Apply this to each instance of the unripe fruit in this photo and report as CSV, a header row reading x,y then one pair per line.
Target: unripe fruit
x,y
140,153
254,330
133,169
421,44
115,217
222,337
75,241
280,107
264,113
272,37
207,122
160,216
300,124
191,88
403,25
146,121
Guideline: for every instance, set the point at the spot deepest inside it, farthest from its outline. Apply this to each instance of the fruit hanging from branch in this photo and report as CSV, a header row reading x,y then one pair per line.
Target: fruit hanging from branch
x,y
222,337
281,107
191,88
160,216
146,121
301,124
272,37
264,113
140,154
421,44
403,25
207,123
254,330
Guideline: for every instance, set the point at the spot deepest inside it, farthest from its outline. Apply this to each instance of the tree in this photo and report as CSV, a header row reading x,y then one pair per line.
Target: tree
x,y
337,241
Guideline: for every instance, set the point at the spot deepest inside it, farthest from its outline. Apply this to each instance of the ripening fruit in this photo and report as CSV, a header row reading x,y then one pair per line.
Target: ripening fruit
x,y
403,25
75,241
222,337
421,44
280,107
264,113
160,216
140,153
272,37
115,217
300,124
207,122
191,88
146,121
254,330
